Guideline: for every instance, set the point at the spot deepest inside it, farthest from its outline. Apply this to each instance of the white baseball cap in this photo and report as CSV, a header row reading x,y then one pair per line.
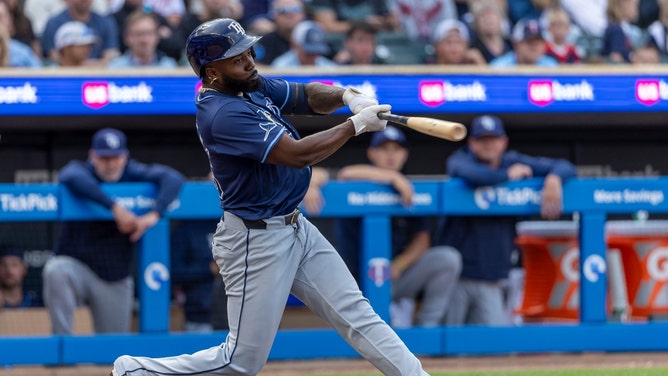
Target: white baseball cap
x,y
74,33
446,26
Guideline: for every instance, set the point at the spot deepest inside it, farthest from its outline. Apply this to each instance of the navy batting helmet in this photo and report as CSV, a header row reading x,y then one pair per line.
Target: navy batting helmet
x,y
215,40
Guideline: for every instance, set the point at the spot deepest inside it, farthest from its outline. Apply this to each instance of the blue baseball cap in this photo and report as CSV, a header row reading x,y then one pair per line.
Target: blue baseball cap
x,y
109,142
390,133
487,125
527,28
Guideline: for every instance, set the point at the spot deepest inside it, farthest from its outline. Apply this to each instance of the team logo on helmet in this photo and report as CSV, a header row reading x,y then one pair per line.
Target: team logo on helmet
x,y
236,27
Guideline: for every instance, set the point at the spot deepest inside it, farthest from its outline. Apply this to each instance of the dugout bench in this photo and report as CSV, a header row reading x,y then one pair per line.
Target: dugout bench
x,y
593,199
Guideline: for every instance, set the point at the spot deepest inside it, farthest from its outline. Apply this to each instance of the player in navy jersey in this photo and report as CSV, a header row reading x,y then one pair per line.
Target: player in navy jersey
x,y
93,261
264,247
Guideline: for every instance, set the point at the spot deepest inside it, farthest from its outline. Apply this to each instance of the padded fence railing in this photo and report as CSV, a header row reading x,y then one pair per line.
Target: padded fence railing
x,y
593,199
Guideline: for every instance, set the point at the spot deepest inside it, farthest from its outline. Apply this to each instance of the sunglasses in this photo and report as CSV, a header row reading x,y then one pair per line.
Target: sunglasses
x,y
289,9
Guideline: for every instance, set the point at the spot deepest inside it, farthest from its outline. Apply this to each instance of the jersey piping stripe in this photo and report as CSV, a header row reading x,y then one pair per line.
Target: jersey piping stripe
x,y
287,96
271,145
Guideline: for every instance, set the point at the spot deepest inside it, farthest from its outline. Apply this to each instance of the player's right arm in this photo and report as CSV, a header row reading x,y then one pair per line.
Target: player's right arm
x,y
316,147
80,179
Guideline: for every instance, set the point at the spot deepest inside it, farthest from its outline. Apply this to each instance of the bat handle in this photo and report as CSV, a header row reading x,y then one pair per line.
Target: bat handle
x,y
393,118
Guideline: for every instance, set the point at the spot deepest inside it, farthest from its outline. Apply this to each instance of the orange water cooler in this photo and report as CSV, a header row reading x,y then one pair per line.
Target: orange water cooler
x,y
644,251
550,256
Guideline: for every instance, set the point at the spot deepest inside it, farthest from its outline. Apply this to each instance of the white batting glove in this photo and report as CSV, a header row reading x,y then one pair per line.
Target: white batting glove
x,y
368,121
357,101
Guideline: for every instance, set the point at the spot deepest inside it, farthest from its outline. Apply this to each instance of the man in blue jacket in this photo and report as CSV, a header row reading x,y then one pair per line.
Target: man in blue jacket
x,y
93,262
487,242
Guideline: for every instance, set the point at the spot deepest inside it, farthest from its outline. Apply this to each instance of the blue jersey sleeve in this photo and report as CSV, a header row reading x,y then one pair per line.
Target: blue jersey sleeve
x,y
79,177
289,97
168,180
542,166
463,164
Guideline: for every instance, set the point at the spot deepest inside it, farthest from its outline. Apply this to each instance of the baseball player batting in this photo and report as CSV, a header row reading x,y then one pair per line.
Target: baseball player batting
x,y
264,247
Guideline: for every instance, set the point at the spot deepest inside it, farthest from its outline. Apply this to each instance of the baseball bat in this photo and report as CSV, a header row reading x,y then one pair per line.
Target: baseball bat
x,y
447,130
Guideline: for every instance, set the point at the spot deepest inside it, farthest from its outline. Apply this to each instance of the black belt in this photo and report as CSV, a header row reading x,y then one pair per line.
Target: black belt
x,y
260,224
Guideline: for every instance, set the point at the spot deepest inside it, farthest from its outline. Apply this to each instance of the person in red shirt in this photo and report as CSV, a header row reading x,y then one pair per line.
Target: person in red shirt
x,y
558,47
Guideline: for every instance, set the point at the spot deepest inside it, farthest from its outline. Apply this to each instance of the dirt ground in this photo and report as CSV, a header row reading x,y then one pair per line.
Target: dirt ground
x,y
440,364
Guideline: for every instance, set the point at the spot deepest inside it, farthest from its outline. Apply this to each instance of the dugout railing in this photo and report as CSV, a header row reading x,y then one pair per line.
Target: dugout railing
x,y
593,199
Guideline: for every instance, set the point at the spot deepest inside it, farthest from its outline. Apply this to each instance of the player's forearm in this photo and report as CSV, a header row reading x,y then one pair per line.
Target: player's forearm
x,y
366,172
311,149
324,99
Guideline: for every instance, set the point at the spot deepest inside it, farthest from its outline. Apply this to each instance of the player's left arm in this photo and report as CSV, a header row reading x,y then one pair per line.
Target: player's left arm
x,y
169,183
555,172
316,98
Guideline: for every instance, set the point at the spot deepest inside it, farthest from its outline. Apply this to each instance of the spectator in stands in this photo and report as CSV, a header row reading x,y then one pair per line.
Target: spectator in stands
x,y
171,42
621,36
489,35
194,273
557,46
172,10
40,11
93,259
519,9
74,41
451,45
13,271
208,10
486,243
528,46
645,55
19,55
22,31
359,46
141,37
104,27
335,15
588,15
307,47
286,14
257,18
658,30
418,18
417,269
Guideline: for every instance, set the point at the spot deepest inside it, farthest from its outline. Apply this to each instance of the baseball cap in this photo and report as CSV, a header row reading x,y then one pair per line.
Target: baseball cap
x,y
74,33
390,133
310,37
446,26
528,28
109,142
487,125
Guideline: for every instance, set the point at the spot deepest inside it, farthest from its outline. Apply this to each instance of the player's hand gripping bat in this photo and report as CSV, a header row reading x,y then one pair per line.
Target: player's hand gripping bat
x,y
447,130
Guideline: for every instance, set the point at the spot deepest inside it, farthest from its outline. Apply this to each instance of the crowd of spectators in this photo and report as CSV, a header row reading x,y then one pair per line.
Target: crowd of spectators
x,y
152,33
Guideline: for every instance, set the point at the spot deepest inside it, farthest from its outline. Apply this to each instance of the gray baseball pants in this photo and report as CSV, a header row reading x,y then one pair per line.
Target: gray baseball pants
x,y
69,283
435,274
260,268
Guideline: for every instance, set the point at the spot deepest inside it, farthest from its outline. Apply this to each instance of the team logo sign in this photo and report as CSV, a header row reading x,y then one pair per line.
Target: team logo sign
x,y
483,197
593,267
379,270
155,275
